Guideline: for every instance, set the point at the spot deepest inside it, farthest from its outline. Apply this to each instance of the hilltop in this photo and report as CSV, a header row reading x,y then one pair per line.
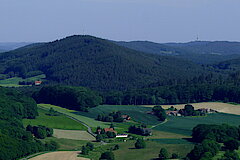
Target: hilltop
x,y
96,63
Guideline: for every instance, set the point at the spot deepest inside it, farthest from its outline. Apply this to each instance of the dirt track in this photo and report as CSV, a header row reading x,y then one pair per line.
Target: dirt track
x,y
61,155
218,106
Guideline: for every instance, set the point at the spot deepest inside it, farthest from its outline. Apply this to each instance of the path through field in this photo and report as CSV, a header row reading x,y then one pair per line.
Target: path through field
x,y
218,106
73,134
61,155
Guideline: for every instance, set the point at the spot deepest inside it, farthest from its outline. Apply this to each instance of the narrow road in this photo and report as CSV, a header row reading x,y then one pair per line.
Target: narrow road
x,y
89,130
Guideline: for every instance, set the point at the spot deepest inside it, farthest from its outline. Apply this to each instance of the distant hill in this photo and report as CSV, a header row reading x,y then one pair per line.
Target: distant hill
x,y
95,63
207,47
201,52
7,46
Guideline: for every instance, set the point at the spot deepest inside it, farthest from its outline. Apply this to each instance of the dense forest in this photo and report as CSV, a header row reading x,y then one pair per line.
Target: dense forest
x,y
200,89
209,137
15,141
95,63
77,98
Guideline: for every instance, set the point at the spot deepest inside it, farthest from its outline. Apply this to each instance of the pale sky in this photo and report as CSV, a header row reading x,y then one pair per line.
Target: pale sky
x,y
152,20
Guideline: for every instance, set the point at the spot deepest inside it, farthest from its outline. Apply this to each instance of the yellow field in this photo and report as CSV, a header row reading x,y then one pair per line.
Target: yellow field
x,y
61,155
218,106
73,134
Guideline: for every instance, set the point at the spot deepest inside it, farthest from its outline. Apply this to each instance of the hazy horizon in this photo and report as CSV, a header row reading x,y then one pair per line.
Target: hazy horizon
x,y
159,21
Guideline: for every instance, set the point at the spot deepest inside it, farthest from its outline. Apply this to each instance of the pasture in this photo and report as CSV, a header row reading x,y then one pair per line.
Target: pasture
x,y
66,144
127,150
73,134
184,125
89,121
13,82
57,122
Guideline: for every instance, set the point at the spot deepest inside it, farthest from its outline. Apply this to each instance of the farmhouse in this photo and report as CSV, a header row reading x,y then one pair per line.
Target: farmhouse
x,y
126,117
207,110
109,130
37,83
173,113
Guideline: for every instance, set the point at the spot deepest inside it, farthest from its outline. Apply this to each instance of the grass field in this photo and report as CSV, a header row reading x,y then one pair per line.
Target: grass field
x,y
137,113
89,121
73,134
58,122
13,82
166,135
127,150
60,155
67,144
219,106
184,125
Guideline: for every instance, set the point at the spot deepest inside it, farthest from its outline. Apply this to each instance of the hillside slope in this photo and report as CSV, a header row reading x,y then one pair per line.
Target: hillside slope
x,y
201,52
95,63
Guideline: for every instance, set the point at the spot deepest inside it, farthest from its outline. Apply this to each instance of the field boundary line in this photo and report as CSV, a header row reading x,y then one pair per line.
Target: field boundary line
x,y
89,130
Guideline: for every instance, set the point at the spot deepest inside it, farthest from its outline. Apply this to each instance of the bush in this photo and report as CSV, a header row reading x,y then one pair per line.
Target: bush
x,y
231,145
90,146
51,146
116,147
107,156
140,144
163,154
175,156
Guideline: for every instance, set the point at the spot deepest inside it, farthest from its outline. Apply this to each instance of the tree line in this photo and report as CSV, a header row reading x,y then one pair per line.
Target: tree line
x,y
76,98
15,141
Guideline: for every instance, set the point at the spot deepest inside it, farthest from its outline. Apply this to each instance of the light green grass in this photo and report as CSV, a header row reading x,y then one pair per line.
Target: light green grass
x,y
57,122
13,82
89,121
184,125
67,144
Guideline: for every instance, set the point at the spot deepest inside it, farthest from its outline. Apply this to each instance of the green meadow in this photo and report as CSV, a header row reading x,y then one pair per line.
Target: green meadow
x,y
57,122
184,125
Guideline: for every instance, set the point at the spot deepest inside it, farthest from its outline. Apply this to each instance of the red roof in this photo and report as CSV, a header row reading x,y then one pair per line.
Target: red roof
x,y
109,130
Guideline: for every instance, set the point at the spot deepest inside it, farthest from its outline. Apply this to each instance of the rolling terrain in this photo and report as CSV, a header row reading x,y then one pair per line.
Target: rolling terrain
x,y
201,52
95,63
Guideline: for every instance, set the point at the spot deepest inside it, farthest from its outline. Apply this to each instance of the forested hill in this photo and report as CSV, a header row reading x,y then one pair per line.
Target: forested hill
x,y
201,52
4,47
95,63
208,47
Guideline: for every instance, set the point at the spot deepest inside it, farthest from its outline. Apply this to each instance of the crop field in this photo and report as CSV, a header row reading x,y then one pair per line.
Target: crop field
x,y
137,113
13,82
57,122
73,134
127,150
184,125
63,155
219,106
89,121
